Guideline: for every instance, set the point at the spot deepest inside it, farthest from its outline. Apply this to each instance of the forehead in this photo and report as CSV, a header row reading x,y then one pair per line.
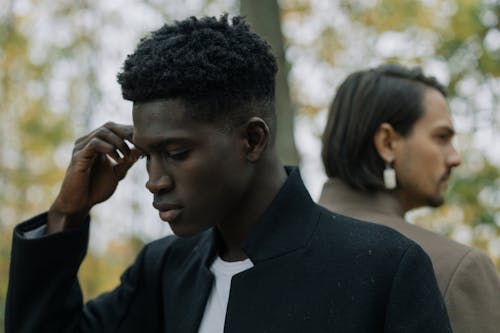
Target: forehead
x,y
435,111
166,119
154,116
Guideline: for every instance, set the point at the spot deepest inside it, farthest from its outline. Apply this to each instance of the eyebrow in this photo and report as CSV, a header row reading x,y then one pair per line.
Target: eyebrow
x,y
450,130
160,144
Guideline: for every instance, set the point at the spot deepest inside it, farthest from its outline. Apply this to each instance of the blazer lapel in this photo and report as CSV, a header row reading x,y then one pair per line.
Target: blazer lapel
x,y
186,288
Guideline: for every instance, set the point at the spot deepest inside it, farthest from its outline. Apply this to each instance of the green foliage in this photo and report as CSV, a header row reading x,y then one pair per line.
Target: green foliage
x,y
30,133
466,190
5,237
387,15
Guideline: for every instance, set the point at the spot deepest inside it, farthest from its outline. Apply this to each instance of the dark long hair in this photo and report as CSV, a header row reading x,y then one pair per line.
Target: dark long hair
x,y
386,94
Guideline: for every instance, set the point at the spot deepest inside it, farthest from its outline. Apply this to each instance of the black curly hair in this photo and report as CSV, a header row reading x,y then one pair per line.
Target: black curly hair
x,y
389,93
221,71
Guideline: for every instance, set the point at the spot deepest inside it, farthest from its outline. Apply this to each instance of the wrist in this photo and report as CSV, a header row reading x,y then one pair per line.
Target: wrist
x,y
58,220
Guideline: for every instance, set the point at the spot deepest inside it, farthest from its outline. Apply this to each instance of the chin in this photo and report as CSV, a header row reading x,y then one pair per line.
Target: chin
x,y
435,201
186,230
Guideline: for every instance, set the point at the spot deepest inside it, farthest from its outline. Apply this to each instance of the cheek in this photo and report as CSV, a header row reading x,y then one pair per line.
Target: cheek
x,y
411,169
434,162
422,171
206,176
197,176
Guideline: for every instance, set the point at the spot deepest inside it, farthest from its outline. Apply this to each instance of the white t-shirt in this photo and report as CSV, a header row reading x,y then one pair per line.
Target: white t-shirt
x,y
215,310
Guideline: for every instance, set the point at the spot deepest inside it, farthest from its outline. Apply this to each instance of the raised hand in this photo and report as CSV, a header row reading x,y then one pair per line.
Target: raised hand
x,y
99,161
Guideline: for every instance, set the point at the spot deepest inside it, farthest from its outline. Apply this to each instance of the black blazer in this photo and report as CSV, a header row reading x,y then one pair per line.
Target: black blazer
x,y
314,271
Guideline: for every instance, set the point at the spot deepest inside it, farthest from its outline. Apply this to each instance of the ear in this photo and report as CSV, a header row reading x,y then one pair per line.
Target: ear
x,y
257,137
385,140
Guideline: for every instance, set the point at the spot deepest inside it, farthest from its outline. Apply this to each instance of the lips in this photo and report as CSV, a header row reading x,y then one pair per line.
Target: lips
x,y
170,215
168,212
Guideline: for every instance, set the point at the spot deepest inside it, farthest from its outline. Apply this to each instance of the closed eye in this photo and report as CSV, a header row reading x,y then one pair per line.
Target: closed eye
x,y
179,155
443,136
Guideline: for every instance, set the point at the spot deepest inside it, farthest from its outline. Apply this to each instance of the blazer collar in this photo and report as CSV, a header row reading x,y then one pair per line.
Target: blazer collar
x,y
340,197
285,226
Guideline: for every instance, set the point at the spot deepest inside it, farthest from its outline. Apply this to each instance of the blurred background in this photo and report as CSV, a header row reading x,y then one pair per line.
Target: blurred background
x,y
58,65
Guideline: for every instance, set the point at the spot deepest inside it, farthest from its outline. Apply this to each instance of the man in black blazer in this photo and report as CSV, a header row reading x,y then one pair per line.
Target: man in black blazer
x,y
251,251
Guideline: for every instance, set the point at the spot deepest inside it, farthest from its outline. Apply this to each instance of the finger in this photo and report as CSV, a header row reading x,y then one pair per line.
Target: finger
x,y
123,131
122,168
84,158
108,136
139,149
135,153
114,157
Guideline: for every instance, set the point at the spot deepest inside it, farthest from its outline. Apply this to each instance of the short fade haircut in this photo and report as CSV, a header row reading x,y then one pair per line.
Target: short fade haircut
x,y
386,94
221,71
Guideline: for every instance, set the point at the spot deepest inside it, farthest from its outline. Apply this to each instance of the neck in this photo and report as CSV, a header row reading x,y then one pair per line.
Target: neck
x,y
406,201
269,177
339,196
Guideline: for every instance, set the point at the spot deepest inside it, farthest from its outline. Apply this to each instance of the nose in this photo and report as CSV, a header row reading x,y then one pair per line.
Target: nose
x,y
158,180
454,159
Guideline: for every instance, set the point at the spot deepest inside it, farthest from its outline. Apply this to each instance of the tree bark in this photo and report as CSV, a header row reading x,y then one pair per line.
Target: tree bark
x,y
264,18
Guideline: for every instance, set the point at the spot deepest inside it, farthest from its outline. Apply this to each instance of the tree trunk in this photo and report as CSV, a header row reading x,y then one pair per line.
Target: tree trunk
x,y
264,17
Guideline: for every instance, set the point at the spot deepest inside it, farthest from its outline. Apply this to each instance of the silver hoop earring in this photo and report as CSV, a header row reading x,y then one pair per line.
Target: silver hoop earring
x,y
389,177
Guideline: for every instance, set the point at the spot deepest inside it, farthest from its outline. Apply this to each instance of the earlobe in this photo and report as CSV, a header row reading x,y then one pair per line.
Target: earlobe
x,y
257,137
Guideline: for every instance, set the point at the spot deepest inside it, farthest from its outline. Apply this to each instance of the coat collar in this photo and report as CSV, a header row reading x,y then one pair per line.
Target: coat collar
x,y
340,197
285,226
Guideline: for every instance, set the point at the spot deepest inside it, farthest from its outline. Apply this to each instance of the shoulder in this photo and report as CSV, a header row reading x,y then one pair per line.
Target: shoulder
x,y
451,260
473,292
368,246
475,268
345,229
360,251
435,244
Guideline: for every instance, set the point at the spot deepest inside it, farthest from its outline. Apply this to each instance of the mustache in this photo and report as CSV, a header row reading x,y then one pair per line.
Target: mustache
x,y
445,176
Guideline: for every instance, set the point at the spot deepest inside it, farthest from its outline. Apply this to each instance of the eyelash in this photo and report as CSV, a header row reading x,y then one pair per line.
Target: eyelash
x,y
443,138
179,155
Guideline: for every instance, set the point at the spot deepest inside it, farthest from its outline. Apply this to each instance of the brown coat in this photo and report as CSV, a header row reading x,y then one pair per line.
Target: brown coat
x,y
466,276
